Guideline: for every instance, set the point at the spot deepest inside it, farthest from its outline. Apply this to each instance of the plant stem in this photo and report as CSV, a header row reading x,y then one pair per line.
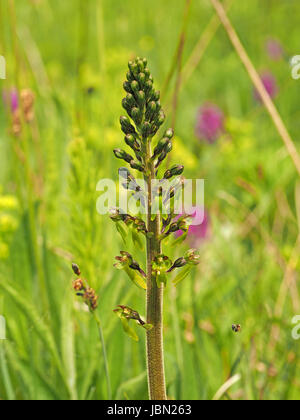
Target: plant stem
x,y
154,300
108,383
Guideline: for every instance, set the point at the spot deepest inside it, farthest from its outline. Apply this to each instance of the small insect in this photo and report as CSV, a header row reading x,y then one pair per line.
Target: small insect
x,y
236,328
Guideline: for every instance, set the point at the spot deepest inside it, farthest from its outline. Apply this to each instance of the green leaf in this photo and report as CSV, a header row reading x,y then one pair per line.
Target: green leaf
x,y
138,243
136,278
182,275
128,330
122,231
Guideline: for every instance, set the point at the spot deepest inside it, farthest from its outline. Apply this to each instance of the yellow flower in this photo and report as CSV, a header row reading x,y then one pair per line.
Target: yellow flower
x,y
7,223
8,202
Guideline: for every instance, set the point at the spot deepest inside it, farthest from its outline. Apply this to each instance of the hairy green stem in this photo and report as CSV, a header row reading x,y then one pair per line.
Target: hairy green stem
x,y
154,300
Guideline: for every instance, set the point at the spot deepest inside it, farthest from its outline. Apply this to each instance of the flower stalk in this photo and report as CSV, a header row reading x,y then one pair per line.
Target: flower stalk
x,y
145,117
90,298
154,299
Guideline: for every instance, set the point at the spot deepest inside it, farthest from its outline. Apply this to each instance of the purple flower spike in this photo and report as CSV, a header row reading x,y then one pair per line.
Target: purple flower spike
x,y
210,123
14,100
11,99
199,230
270,85
274,49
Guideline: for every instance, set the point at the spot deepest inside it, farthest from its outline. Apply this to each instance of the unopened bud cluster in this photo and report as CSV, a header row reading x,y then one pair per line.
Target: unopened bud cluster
x,y
144,117
83,290
183,224
191,257
143,120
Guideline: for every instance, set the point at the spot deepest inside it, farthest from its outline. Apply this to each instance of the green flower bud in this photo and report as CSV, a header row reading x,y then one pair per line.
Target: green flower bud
x,y
133,67
161,158
76,269
131,141
126,126
127,87
169,133
156,96
158,105
161,118
181,262
137,165
121,154
147,73
135,86
174,171
141,98
153,95
140,65
136,115
146,129
151,109
141,78
130,100
154,130
160,146
126,106
148,88
168,147
129,77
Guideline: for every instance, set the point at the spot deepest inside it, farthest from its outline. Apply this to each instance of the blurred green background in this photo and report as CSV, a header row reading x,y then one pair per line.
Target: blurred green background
x,y
73,56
